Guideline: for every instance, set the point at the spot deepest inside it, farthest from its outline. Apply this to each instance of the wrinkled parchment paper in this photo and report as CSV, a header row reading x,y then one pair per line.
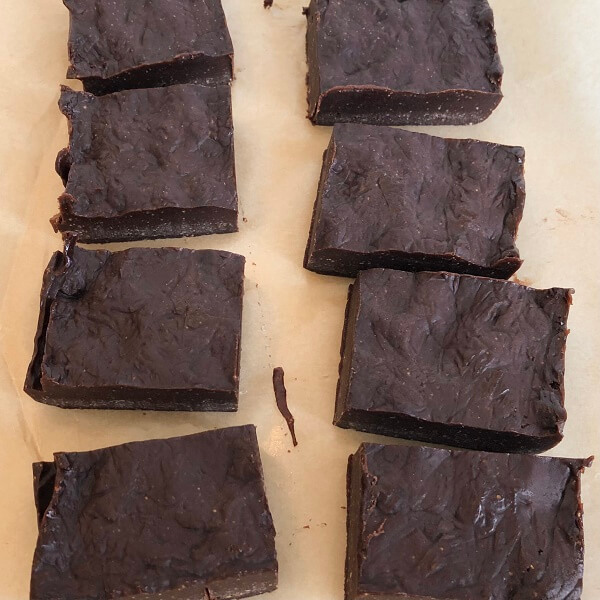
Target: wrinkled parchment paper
x,y
292,317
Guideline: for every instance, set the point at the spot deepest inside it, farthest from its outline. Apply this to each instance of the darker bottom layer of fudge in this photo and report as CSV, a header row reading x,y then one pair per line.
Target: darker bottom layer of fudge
x,y
453,359
380,106
433,524
170,519
347,263
149,224
193,69
148,329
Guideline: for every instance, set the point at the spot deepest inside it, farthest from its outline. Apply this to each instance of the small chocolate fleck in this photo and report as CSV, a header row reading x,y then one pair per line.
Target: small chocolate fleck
x,y
281,399
305,10
268,3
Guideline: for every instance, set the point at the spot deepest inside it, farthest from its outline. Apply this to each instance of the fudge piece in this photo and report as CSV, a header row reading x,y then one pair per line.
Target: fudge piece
x,y
145,328
131,44
409,62
150,163
171,519
402,200
432,524
455,360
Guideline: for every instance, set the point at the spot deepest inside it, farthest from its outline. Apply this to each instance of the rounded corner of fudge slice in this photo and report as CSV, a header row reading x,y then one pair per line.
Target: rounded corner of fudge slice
x,y
429,524
365,65
454,359
159,519
147,328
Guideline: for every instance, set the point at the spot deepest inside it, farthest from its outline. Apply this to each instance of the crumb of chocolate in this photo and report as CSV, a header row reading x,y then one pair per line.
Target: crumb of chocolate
x,y
281,399
267,3
244,219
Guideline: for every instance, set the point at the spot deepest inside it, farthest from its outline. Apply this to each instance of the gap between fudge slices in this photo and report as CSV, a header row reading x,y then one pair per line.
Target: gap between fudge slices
x,y
131,45
391,198
427,523
415,62
145,164
166,519
454,360
153,329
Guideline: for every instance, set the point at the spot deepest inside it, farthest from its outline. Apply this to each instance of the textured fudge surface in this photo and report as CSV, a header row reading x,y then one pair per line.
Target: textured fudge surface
x,y
458,351
187,513
108,37
147,150
140,320
389,197
413,47
438,524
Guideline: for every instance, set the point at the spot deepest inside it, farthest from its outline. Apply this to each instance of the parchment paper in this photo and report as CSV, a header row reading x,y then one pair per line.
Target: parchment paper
x,y
293,318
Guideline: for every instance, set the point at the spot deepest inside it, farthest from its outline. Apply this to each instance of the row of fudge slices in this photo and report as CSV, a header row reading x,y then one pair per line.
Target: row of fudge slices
x,y
187,517
445,357
150,155
440,349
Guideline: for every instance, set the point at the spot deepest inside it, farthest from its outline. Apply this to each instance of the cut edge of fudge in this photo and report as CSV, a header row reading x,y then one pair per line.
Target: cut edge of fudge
x,y
351,104
338,261
355,486
407,427
192,68
135,224
355,103
47,480
110,397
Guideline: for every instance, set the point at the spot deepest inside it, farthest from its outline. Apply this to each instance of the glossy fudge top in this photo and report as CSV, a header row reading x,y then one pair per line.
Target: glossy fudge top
x,y
418,46
160,318
154,516
463,525
459,349
148,149
390,189
108,37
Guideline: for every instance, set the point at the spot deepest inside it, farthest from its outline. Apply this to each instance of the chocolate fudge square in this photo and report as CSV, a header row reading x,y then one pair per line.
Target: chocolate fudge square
x,y
125,44
169,519
402,200
454,360
144,328
151,163
432,524
402,62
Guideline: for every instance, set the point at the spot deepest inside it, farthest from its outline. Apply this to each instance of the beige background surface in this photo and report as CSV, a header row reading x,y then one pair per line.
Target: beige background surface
x,y
292,317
